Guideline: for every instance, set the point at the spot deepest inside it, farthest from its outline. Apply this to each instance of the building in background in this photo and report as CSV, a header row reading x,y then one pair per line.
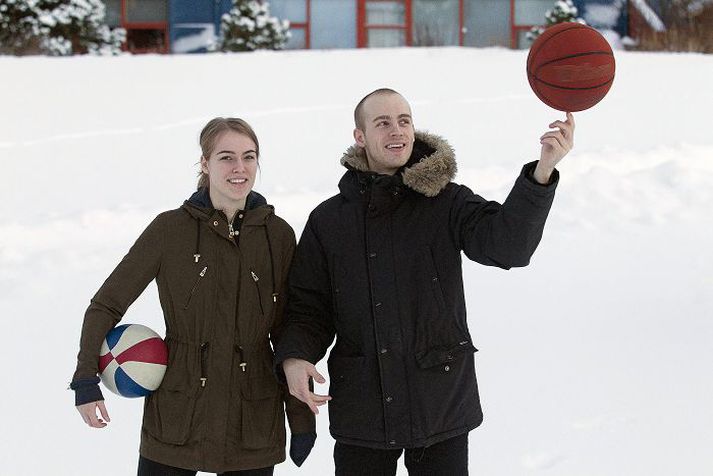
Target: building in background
x,y
167,26
185,26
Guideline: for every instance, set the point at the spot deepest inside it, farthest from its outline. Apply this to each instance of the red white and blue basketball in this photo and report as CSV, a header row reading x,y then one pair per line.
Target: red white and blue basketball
x,y
132,360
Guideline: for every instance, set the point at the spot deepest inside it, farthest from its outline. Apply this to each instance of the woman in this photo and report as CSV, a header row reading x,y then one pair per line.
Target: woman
x,y
220,262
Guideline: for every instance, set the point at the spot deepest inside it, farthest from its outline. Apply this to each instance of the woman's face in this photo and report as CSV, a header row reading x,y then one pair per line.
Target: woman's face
x,y
231,169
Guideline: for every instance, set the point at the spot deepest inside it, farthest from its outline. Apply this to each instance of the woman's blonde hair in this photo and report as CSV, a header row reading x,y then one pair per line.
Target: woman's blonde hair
x,y
209,136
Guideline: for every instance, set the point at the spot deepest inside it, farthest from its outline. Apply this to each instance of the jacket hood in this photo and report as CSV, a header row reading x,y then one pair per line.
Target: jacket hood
x,y
201,198
430,168
200,206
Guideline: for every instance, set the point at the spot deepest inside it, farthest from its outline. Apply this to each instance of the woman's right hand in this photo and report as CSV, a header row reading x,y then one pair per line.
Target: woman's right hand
x,y
89,414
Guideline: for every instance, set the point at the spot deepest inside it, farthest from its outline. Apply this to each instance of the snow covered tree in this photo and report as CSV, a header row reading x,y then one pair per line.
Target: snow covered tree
x,y
19,28
249,27
56,27
563,11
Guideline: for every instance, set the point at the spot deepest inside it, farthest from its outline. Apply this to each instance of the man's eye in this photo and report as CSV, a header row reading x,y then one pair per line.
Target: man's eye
x,y
382,123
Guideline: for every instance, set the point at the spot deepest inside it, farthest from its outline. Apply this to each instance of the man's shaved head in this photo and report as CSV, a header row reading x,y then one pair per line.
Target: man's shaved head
x,y
358,116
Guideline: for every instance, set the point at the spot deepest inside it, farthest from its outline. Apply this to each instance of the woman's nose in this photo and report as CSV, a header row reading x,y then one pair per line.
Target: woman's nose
x,y
239,166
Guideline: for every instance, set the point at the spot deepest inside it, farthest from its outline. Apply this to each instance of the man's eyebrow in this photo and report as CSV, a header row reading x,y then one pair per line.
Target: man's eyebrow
x,y
389,117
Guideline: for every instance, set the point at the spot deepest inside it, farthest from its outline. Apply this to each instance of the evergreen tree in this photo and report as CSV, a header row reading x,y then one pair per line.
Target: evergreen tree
x,y
56,27
249,27
563,11
19,28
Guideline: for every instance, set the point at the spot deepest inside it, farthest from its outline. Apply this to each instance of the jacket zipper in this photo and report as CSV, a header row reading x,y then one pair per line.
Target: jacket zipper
x,y
240,352
195,286
257,286
204,362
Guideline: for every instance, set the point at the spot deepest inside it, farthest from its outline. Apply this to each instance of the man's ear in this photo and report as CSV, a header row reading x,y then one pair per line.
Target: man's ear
x,y
359,137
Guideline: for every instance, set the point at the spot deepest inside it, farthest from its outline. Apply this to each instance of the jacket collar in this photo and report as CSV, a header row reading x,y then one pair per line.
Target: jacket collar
x,y
430,168
200,206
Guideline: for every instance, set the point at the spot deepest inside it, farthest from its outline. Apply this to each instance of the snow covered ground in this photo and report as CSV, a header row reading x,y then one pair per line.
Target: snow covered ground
x,y
597,359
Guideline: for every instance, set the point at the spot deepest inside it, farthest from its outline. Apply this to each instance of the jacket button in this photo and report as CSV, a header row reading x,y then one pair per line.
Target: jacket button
x,y
435,278
372,255
392,442
389,399
215,223
447,368
449,357
240,216
377,304
384,350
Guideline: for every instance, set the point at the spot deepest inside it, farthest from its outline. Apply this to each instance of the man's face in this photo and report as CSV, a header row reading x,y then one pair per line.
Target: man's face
x,y
388,134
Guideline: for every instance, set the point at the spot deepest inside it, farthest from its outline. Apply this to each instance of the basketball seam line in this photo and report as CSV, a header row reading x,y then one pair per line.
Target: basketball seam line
x,y
589,53
571,88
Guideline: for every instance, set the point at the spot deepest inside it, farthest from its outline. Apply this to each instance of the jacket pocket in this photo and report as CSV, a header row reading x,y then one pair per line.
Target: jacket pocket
x,y
193,290
345,373
335,279
168,412
444,354
435,281
168,415
256,280
356,409
262,415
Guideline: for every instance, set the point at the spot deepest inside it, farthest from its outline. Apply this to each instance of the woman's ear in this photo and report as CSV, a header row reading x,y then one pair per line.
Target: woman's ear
x,y
204,165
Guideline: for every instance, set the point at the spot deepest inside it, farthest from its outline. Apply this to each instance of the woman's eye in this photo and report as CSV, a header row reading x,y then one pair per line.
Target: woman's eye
x,y
225,157
250,157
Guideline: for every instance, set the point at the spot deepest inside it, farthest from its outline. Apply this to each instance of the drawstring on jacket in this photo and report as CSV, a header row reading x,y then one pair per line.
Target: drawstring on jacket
x,y
197,255
272,262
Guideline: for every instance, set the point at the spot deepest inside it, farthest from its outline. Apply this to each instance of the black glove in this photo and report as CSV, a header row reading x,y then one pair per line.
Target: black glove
x,y
300,446
86,390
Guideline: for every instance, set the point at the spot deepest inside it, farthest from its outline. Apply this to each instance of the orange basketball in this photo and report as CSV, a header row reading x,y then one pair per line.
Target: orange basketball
x,y
570,67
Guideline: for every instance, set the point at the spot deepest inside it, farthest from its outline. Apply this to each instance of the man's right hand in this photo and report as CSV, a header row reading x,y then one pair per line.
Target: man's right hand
x,y
298,373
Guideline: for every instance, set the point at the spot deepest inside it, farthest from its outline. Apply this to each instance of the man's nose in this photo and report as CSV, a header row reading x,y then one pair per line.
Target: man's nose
x,y
397,130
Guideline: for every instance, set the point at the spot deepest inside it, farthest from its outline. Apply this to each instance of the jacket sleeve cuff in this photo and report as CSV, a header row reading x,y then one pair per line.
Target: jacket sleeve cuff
x,y
86,390
280,358
528,171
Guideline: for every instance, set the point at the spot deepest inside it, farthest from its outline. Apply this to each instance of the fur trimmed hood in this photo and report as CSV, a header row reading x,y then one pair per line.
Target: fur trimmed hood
x,y
431,167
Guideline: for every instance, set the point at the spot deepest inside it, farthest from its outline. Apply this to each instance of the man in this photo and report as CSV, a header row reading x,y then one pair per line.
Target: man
x,y
379,266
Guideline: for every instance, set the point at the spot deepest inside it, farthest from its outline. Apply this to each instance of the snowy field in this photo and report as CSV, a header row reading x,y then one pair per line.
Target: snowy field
x,y
597,359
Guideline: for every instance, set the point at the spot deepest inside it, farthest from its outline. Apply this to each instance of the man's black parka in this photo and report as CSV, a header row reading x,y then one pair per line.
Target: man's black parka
x,y
379,266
